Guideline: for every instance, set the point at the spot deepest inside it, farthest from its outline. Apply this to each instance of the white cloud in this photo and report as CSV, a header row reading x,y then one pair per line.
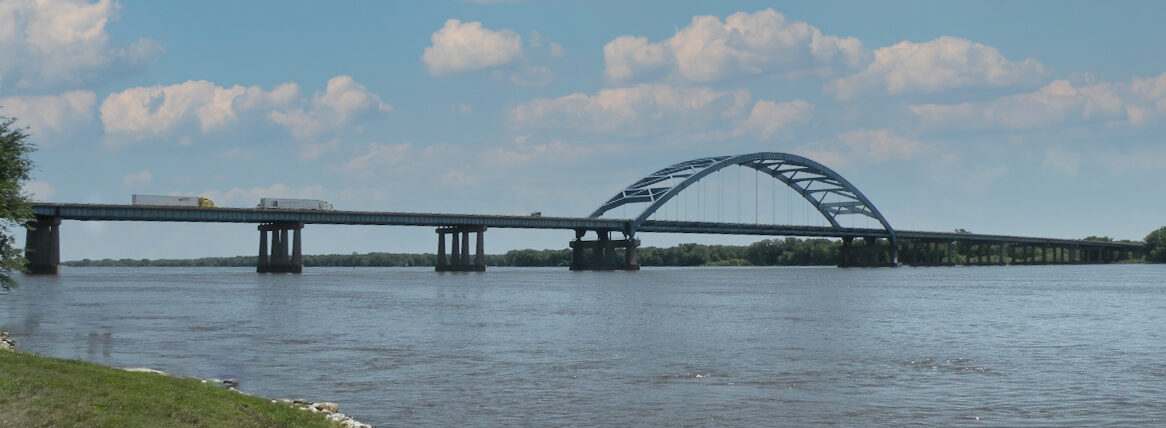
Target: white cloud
x,y
156,110
864,146
744,44
49,44
1148,99
315,151
1053,104
39,190
937,65
880,145
133,179
637,110
342,102
50,114
768,117
244,197
537,40
460,47
379,156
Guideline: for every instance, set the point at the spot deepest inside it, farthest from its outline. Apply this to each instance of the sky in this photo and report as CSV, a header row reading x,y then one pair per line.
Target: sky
x,y
1036,118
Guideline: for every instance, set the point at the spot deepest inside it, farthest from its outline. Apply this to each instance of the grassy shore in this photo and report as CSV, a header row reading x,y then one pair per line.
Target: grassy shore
x,y
39,391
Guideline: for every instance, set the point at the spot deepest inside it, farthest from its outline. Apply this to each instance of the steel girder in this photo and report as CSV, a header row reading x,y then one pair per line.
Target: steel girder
x,y
829,193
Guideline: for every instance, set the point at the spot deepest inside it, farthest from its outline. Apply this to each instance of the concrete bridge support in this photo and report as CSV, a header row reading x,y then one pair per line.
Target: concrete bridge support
x,y
280,260
872,253
458,259
42,245
604,252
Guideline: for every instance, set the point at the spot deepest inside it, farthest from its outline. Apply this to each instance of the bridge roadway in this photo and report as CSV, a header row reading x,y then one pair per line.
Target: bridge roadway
x,y
116,212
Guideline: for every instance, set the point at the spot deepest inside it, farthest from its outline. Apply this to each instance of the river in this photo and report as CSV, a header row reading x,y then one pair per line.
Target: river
x,y
1015,345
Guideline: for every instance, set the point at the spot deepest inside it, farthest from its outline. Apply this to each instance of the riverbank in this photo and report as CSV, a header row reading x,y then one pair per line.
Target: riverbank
x,y
41,391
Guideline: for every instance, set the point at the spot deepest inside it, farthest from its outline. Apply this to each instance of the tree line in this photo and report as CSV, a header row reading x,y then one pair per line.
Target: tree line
x,y
769,252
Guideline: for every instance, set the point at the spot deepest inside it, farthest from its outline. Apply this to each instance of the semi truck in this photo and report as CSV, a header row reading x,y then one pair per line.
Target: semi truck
x,y
293,204
172,201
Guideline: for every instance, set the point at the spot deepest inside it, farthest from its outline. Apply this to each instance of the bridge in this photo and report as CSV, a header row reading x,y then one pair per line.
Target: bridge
x,y
831,196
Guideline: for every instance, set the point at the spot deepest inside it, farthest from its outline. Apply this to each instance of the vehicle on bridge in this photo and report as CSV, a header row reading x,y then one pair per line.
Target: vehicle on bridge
x,y
172,201
293,204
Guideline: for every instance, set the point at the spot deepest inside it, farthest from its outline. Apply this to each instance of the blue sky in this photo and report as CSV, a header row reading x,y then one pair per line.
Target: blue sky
x,y
1041,118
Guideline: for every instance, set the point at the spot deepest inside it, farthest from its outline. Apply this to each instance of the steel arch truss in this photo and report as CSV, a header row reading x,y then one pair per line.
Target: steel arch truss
x,y
827,191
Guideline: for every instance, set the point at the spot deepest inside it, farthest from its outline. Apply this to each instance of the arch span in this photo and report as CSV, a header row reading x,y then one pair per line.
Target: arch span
x,y
829,193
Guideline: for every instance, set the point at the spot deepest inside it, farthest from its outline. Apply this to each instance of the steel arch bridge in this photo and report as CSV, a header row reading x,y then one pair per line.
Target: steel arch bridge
x,y
829,193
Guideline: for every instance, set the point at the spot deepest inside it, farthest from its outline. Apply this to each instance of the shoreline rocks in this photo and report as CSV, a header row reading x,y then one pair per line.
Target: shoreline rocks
x,y
6,343
330,410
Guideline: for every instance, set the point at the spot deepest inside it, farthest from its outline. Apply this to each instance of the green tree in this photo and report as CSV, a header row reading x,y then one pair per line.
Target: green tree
x,y
15,208
1156,246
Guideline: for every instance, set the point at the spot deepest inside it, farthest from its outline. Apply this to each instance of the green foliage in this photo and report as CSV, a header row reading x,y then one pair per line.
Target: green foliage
x,y
38,391
770,252
15,208
1156,246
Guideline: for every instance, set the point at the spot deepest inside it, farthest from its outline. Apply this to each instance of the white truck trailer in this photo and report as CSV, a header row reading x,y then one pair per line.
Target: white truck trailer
x,y
293,204
172,201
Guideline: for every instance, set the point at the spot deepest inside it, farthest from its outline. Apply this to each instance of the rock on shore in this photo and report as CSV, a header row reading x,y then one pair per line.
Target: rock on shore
x,y
6,343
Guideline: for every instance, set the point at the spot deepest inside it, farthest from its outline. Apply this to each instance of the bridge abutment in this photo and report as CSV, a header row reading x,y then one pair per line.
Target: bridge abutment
x,y
605,252
42,245
458,258
280,259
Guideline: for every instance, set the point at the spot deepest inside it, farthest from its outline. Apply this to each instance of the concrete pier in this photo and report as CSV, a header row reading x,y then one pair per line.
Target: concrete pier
x,y
872,253
458,258
42,245
280,259
605,253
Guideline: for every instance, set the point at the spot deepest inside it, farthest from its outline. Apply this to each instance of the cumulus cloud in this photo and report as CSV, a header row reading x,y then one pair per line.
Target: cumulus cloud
x,y
1053,104
136,178
38,190
154,111
50,44
342,102
50,115
937,65
708,49
767,117
468,46
635,110
648,109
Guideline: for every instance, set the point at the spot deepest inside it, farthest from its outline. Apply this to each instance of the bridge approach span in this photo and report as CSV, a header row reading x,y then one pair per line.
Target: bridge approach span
x,y
115,212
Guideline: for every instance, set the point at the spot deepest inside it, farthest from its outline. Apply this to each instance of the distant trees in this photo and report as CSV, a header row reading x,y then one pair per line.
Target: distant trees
x,y
1156,246
15,207
769,252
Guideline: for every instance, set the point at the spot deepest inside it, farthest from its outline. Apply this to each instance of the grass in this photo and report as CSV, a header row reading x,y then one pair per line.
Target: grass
x,y
39,391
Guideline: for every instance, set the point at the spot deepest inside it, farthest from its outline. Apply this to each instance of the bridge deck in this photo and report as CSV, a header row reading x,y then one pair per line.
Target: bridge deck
x,y
113,212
